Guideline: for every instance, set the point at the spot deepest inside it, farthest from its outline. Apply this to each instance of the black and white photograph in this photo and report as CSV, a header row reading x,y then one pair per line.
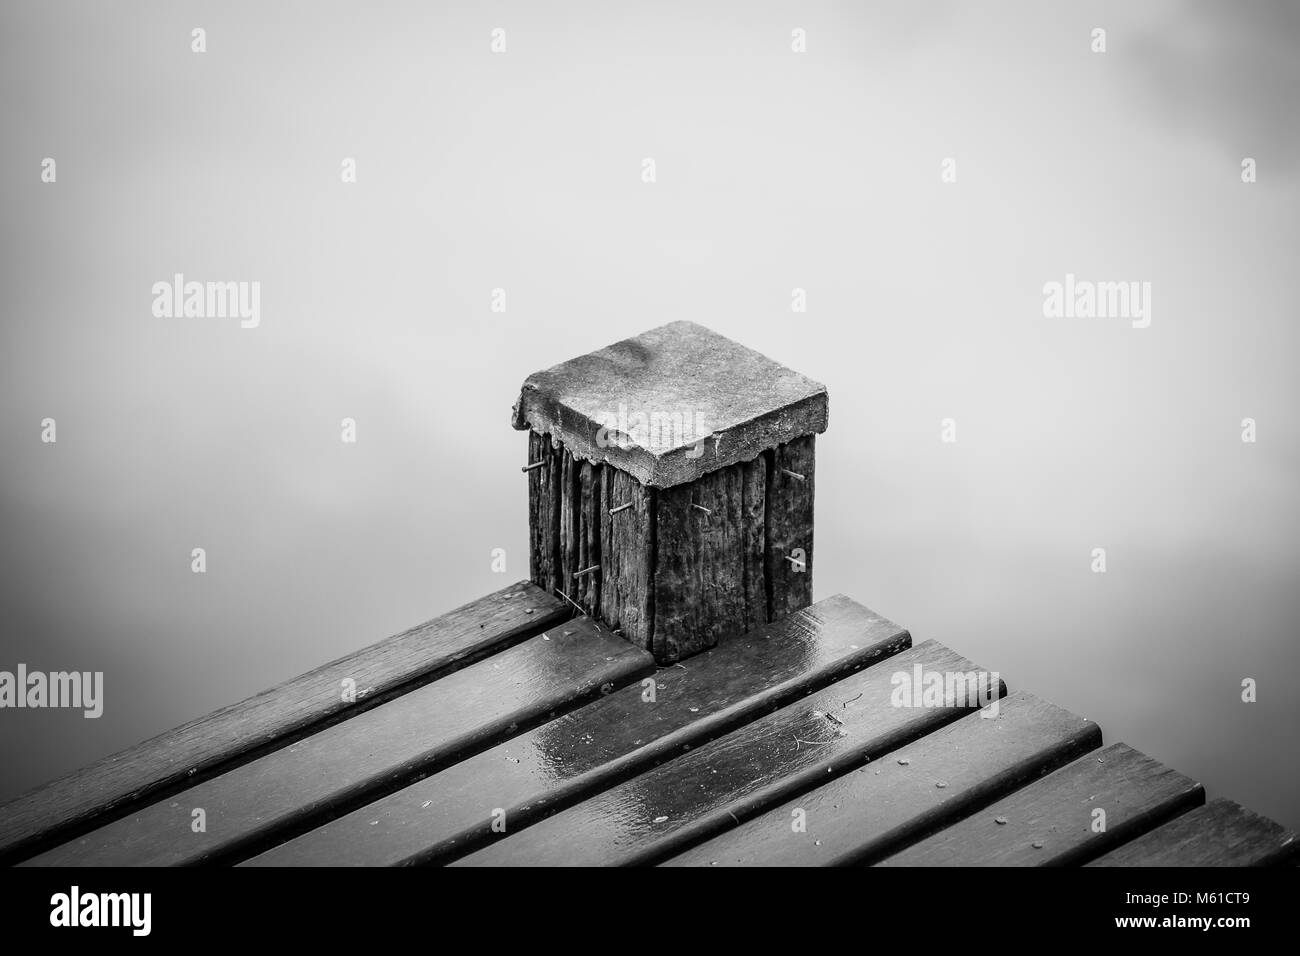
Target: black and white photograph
x,y
559,434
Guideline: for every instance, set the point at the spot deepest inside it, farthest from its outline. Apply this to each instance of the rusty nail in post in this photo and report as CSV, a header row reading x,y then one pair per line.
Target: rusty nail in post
x,y
536,464
702,508
793,474
795,561
594,567
615,511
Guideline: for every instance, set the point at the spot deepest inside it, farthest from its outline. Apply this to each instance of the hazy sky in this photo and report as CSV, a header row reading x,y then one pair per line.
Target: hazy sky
x,y
775,171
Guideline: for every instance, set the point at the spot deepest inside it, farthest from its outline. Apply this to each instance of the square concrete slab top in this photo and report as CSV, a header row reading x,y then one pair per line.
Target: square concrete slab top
x,y
671,404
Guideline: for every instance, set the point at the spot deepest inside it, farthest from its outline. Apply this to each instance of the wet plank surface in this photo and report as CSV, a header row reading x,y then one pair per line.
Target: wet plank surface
x,y
476,739
875,810
708,789
1221,833
559,763
1054,821
385,747
204,746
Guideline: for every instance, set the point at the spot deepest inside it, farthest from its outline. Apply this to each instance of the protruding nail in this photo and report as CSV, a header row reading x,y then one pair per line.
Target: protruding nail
x,y
795,561
702,508
793,474
594,567
536,464
615,511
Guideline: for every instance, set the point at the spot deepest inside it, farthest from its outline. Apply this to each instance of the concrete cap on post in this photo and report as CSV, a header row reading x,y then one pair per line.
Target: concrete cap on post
x,y
701,401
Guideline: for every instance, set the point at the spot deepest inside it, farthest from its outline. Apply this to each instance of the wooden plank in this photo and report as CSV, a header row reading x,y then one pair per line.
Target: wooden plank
x,y
790,526
544,512
589,505
366,756
627,549
1221,833
708,574
570,522
872,812
1053,822
580,519
703,792
209,744
554,766
749,538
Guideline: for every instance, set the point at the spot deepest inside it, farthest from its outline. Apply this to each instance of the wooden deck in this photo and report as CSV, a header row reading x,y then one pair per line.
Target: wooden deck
x,y
509,733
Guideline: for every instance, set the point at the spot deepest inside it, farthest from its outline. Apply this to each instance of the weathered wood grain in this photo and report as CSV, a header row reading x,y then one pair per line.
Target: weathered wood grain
x,y
874,811
751,541
708,573
627,556
588,750
544,512
368,755
1052,822
580,520
790,527
709,789
1221,833
274,717
684,565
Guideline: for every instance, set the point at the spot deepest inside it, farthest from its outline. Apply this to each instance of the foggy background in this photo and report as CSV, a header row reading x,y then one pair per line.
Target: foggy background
x,y
776,171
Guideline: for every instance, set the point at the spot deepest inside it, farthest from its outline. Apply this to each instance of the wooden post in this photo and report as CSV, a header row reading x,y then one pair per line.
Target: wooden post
x,y
670,486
